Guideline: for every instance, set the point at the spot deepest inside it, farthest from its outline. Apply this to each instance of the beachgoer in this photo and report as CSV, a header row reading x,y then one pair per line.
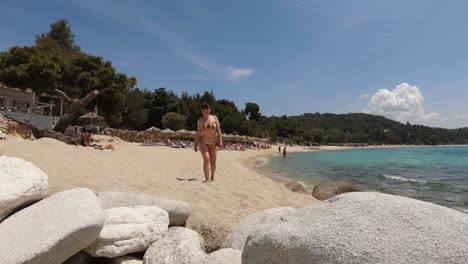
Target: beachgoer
x,y
279,149
284,152
86,136
208,128
86,140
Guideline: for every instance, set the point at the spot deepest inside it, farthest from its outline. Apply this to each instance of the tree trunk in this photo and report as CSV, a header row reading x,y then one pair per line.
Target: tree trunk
x,y
77,106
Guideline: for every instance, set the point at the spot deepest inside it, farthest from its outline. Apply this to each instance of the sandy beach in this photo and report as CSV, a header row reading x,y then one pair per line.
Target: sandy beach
x,y
166,172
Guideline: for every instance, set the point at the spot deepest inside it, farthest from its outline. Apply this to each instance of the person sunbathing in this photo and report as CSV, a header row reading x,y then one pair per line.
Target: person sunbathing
x,y
86,140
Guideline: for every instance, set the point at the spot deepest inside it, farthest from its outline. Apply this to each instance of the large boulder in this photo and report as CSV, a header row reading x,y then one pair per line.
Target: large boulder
x,y
129,229
327,190
52,230
224,256
252,222
363,227
179,211
21,183
177,246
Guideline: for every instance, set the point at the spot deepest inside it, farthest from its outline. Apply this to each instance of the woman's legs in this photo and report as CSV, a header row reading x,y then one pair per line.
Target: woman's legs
x,y
212,150
206,160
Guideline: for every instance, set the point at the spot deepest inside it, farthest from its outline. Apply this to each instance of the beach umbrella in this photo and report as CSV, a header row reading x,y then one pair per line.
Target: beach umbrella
x,y
183,133
193,134
166,133
152,132
92,117
226,137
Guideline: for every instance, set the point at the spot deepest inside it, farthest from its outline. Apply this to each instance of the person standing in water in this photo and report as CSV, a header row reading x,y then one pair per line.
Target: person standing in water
x,y
284,152
208,128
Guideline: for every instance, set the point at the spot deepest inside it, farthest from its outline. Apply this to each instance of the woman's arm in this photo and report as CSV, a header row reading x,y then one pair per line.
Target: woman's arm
x,y
198,136
218,126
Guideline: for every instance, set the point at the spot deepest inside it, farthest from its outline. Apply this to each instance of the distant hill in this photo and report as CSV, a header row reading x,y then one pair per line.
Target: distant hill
x,y
360,127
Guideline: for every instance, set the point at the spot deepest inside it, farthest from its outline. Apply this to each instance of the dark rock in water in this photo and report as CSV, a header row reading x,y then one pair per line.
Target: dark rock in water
x,y
296,187
327,190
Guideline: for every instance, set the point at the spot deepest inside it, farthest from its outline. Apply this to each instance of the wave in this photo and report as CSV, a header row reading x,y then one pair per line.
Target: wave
x,y
403,179
261,162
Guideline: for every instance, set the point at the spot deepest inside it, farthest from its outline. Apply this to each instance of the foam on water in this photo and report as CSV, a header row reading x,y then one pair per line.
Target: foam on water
x,y
403,179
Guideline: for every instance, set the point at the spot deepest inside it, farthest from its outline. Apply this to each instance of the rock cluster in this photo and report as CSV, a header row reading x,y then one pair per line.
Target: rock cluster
x,y
79,227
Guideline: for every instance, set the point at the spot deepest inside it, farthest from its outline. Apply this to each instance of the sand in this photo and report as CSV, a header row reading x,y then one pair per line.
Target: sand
x,y
159,170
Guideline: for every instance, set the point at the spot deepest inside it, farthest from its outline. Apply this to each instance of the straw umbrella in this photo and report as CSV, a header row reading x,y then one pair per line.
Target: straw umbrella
x,y
152,132
183,133
229,137
92,116
166,133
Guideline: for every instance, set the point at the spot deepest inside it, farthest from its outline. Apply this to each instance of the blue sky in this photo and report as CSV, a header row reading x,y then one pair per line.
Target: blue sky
x,y
404,59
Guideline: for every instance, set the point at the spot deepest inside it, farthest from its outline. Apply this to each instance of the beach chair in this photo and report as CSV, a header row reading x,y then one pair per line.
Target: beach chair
x,y
148,142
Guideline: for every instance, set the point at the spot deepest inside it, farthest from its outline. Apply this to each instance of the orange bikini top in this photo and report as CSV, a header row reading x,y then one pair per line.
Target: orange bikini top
x,y
206,126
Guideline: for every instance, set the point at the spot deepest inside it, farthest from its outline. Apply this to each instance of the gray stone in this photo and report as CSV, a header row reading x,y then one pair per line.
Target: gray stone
x,y
52,230
224,256
177,246
363,227
21,183
179,211
298,187
252,222
128,230
327,190
127,260
80,258
2,135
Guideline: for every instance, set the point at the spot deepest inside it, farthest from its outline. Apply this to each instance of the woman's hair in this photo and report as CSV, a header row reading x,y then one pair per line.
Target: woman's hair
x,y
205,105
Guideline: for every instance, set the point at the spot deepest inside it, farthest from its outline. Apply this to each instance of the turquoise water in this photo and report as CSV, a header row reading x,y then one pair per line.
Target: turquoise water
x,y
433,174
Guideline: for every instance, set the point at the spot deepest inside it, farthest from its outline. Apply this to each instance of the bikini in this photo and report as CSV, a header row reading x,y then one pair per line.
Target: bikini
x,y
207,127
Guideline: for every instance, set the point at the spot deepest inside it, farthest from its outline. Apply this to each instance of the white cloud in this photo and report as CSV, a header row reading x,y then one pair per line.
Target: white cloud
x,y
404,103
237,73
364,96
198,77
462,116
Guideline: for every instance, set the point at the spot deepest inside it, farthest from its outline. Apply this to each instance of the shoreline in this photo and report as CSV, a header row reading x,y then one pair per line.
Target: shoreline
x,y
251,162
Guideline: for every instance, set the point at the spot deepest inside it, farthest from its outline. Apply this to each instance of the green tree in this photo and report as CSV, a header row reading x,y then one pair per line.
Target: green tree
x,y
252,110
62,34
173,121
56,64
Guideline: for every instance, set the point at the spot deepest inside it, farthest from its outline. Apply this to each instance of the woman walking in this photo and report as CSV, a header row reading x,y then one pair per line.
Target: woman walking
x,y
208,128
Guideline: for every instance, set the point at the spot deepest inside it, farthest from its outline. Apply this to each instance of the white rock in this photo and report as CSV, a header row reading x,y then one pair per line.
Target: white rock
x,y
129,229
177,246
51,230
252,222
178,211
363,227
224,256
21,183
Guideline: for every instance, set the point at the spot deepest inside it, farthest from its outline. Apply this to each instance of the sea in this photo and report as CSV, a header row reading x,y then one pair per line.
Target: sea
x,y
437,174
